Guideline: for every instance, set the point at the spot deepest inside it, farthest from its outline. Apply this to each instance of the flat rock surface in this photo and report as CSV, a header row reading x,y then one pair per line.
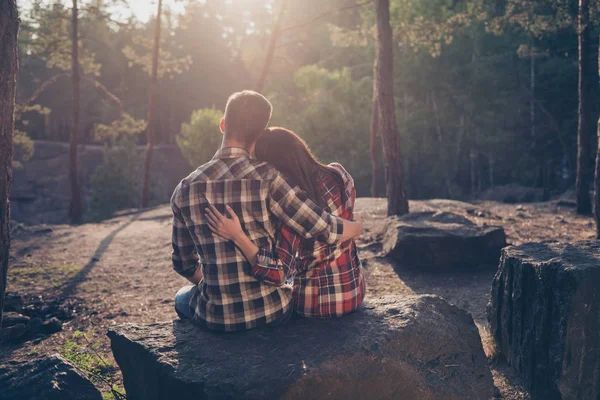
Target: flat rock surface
x,y
417,347
441,240
49,378
545,317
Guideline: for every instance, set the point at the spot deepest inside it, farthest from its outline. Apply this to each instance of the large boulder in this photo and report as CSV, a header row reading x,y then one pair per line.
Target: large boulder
x,y
415,347
441,240
49,378
545,316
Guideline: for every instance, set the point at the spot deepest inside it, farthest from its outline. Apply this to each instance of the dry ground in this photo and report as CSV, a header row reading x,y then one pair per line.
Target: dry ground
x,y
119,271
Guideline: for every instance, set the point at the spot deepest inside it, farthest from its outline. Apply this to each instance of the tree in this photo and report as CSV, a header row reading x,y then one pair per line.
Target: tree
x,y
582,186
374,145
76,209
597,173
384,65
151,109
9,28
260,84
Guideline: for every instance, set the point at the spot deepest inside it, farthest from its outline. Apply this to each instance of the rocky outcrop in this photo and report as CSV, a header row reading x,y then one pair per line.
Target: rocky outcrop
x,y
50,378
441,240
415,347
40,191
544,314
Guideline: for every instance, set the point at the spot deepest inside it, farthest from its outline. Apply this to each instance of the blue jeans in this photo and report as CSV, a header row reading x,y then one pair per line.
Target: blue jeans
x,y
182,302
184,311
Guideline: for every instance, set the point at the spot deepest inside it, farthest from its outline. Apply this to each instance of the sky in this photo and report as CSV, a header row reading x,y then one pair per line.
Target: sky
x,y
142,9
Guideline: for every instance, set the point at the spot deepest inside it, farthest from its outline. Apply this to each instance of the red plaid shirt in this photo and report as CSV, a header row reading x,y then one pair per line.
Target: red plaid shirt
x,y
328,279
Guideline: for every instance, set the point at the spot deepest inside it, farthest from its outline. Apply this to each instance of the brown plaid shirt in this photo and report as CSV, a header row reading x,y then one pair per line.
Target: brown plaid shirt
x,y
229,298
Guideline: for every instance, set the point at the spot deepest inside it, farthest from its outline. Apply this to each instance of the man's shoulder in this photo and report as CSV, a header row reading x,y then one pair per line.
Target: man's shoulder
x,y
234,168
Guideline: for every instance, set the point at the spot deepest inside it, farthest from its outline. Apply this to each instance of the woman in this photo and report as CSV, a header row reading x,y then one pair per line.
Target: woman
x,y
328,280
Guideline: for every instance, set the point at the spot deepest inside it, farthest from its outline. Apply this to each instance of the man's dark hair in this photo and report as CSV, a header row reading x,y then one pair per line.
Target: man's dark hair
x,y
247,115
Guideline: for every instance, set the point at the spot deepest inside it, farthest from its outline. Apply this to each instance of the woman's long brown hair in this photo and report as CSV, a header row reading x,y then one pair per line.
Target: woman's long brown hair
x,y
287,152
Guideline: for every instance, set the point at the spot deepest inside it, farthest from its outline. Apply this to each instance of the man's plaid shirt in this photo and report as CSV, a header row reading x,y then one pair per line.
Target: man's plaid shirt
x,y
230,298
328,279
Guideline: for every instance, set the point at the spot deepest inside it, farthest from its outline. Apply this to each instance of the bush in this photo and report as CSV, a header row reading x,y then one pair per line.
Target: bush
x,y
200,139
116,182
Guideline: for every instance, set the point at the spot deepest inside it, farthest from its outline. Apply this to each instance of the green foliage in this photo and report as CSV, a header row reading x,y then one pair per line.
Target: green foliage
x,y
331,110
199,139
116,182
126,125
85,355
24,148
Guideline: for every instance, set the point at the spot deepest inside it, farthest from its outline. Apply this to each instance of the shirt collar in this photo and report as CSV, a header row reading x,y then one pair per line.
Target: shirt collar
x,y
232,152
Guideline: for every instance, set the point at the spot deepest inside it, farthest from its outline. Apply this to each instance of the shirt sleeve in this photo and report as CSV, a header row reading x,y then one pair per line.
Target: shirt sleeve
x,y
293,208
184,256
349,188
275,267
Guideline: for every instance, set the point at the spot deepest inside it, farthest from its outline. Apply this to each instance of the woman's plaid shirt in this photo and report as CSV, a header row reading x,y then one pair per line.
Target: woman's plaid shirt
x,y
328,279
229,298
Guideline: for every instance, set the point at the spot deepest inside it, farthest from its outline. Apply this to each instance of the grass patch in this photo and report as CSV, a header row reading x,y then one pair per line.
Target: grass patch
x,y
85,355
54,274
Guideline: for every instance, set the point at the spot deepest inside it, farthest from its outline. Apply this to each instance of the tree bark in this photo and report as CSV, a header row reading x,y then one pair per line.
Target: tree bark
x,y
374,145
584,205
260,84
9,27
151,110
597,174
75,211
384,84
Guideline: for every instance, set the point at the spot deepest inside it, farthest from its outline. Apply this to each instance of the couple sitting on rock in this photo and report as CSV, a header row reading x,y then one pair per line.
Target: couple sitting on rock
x,y
264,229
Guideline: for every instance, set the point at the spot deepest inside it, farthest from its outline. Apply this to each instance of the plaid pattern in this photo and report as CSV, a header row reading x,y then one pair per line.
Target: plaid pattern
x,y
328,279
229,298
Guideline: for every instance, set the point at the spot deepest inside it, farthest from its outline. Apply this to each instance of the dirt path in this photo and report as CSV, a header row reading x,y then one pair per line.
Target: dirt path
x,y
119,271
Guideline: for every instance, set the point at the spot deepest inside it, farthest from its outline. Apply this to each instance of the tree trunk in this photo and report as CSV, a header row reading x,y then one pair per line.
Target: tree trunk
x,y
9,27
584,205
384,84
597,176
151,110
375,149
75,211
260,84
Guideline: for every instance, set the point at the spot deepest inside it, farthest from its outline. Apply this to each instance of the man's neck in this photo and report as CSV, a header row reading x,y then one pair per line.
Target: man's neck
x,y
238,144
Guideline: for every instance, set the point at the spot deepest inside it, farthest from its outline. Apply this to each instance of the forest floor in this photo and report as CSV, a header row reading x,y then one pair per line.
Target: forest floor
x,y
119,271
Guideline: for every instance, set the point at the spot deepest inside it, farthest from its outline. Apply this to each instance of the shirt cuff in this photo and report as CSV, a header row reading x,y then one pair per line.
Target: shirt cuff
x,y
268,268
336,229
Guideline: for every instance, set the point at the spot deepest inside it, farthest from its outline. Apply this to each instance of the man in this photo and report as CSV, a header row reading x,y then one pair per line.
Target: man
x,y
225,296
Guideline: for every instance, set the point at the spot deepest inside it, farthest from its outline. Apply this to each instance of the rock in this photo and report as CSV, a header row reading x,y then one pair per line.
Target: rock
x,y
544,314
513,193
413,347
51,326
13,318
13,303
52,378
35,325
441,240
14,333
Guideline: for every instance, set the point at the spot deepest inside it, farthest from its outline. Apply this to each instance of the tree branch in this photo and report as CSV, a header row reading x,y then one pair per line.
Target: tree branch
x,y
43,88
111,96
325,14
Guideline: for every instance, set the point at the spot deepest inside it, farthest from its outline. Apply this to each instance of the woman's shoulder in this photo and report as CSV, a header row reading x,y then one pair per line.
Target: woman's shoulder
x,y
347,178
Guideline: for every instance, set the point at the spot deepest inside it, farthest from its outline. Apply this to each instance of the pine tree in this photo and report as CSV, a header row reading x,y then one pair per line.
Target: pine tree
x,y
9,27
384,65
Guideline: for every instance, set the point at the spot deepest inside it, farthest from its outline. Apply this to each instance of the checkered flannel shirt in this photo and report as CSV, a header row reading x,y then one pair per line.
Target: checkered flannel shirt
x,y
328,279
229,298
